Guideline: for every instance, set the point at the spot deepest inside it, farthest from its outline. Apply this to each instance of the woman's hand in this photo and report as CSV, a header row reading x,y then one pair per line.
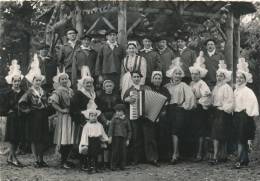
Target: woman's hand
x,y
109,140
130,99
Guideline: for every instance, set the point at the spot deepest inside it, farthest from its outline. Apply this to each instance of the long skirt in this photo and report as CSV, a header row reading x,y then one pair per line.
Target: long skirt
x,y
37,127
220,128
64,130
15,128
200,122
244,127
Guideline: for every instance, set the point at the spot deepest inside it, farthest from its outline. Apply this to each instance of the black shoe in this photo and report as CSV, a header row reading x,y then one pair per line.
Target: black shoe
x,y
198,159
155,163
44,164
237,165
213,161
174,161
37,164
65,166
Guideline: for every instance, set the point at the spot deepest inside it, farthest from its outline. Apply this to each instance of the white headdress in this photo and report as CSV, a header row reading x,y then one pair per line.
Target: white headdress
x,y
14,71
34,70
132,42
85,75
55,79
222,68
156,73
199,65
242,67
176,65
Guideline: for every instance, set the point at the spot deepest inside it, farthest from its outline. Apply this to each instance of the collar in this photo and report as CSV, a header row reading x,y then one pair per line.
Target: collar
x,y
162,50
16,90
112,45
85,48
137,86
72,43
211,53
146,50
181,50
38,93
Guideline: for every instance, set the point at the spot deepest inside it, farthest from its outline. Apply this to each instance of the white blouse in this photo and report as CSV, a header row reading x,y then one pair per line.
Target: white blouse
x,y
201,92
92,130
245,99
223,97
182,95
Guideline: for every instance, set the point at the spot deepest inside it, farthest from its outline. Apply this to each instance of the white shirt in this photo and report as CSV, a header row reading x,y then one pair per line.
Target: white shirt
x,y
212,53
112,45
245,99
146,50
223,97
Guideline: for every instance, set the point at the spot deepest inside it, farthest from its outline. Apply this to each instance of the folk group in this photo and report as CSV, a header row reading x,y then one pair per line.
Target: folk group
x,y
203,114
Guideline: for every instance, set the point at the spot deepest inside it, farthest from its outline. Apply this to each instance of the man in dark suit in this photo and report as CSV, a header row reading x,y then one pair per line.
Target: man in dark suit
x,y
187,56
152,58
109,59
212,57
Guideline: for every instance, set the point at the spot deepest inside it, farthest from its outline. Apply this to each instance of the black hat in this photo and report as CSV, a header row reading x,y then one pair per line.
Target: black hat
x,y
210,39
110,32
162,37
86,36
71,29
120,107
147,37
181,35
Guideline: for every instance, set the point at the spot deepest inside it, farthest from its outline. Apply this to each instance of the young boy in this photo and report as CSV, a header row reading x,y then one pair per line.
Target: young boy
x,y
119,134
93,135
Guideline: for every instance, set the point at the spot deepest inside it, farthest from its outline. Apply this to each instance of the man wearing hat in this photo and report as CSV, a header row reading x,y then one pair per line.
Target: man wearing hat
x,y
66,57
166,55
152,58
187,56
85,55
110,56
212,57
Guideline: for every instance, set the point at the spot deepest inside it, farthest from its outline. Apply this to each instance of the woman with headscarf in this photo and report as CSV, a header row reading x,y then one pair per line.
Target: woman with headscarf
x,y
64,131
34,103
15,120
106,101
246,109
223,104
182,100
163,124
132,62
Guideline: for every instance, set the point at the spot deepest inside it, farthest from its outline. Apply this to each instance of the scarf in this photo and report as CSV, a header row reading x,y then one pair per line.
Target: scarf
x,y
147,50
91,95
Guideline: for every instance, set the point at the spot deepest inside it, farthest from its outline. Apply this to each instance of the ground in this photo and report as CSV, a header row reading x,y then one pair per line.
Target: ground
x,y
185,171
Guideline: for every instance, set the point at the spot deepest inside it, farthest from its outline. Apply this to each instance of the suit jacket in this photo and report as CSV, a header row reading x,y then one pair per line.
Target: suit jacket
x,y
108,60
212,66
166,58
188,57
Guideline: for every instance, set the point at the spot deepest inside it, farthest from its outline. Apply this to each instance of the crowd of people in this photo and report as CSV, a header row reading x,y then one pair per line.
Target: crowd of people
x,y
203,117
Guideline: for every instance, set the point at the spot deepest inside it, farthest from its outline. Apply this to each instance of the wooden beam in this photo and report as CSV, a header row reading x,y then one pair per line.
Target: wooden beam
x,y
108,23
229,30
199,14
236,43
93,26
122,21
135,24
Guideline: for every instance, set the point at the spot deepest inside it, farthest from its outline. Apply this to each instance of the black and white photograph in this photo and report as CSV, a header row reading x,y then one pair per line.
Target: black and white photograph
x,y
129,90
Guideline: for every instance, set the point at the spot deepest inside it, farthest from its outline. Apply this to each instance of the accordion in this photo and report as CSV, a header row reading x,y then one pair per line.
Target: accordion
x,y
148,104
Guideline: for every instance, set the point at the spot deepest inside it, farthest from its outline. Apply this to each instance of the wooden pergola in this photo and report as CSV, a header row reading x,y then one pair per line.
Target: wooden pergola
x,y
126,16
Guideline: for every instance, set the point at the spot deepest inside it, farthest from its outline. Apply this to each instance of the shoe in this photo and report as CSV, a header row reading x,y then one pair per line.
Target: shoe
x,y
213,161
155,163
198,159
70,164
65,166
37,164
244,163
84,168
14,163
237,165
174,161
44,164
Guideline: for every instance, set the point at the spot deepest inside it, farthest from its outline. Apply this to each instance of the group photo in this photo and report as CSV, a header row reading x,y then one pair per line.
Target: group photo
x,y
129,90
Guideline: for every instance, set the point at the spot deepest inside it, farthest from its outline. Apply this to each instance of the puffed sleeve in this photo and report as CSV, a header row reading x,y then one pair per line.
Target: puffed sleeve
x,y
228,99
189,98
251,104
55,98
84,136
205,99
143,70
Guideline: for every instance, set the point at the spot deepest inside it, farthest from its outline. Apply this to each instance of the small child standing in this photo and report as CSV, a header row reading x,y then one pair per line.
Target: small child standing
x,y
93,135
119,135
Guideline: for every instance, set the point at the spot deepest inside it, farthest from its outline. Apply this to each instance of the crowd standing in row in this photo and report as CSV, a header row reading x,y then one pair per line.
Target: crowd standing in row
x,y
201,106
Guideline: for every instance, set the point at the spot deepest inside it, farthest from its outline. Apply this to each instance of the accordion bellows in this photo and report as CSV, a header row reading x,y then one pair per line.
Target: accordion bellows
x,y
149,105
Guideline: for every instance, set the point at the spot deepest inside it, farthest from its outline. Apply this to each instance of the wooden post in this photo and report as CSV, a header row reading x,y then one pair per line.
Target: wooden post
x,y
236,43
229,29
122,21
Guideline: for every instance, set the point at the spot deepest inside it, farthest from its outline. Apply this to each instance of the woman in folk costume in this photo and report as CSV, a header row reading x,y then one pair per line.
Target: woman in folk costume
x,y
163,124
92,137
182,100
223,104
15,120
34,103
64,131
82,99
132,62
200,121
246,109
